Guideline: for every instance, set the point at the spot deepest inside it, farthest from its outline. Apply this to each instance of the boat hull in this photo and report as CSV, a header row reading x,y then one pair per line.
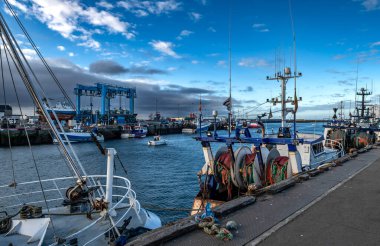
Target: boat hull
x,y
154,143
79,137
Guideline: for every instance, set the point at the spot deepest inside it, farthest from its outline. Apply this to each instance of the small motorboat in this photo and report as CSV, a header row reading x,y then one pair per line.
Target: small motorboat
x,y
157,141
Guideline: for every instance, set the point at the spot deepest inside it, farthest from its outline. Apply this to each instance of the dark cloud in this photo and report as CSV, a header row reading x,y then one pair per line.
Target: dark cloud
x,y
212,82
248,89
251,101
338,95
113,68
172,100
345,82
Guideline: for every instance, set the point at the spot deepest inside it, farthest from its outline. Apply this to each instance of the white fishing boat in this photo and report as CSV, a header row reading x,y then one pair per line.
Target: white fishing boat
x,y
188,130
139,131
157,140
78,135
80,209
314,150
127,132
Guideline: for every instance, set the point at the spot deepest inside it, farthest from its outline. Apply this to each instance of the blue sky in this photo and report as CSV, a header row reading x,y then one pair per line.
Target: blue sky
x,y
179,49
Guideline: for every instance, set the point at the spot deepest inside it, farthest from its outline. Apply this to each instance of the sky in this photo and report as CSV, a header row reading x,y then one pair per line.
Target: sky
x,y
177,51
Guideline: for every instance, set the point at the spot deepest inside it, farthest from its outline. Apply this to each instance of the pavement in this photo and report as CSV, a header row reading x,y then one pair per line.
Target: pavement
x,y
334,208
349,215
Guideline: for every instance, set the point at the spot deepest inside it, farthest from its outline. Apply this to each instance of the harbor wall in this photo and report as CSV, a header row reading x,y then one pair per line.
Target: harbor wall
x,y
42,136
18,137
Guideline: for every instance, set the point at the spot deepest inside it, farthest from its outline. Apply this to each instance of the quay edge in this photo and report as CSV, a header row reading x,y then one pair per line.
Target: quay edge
x,y
268,210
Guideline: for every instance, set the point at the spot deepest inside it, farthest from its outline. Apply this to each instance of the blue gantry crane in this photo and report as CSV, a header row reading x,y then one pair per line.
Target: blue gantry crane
x,y
106,92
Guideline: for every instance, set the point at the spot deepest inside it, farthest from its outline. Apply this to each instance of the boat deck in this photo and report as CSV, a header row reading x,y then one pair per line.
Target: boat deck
x,y
340,213
65,225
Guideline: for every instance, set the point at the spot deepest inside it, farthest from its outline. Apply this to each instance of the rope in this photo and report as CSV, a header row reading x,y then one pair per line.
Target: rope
x,y
29,145
5,105
121,164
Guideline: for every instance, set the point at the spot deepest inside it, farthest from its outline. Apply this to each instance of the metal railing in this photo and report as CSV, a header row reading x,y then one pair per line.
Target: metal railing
x,y
27,193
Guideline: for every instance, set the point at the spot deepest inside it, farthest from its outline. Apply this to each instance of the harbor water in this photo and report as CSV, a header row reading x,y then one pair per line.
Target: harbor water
x,y
162,176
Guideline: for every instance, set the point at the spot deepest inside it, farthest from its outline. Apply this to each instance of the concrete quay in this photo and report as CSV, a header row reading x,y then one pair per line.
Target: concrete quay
x,y
320,211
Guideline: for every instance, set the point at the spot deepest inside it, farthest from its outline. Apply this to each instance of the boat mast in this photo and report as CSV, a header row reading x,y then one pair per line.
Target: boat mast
x,y
15,53
230,80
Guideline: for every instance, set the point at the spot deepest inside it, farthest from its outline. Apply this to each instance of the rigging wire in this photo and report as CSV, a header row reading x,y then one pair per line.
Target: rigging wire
x,y
27,136
30,89
7,121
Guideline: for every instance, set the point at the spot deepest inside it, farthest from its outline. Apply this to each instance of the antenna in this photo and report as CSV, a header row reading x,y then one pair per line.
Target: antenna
x,y
357,77
295,68
229,58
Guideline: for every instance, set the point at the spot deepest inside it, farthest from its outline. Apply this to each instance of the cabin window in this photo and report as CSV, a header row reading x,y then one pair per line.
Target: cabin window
x,y
318,148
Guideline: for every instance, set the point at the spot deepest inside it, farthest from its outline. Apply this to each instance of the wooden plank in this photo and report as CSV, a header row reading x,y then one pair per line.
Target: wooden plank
x,y
303,177
283,185
165,233
183,226
353,154
362,150
314,173
234,205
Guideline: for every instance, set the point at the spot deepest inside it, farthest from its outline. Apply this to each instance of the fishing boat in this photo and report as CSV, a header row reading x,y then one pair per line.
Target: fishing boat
x,y
315,149
78,135
63,111
80,209
126,132
244,164
188,130
360,130
157,140
202,127
139,131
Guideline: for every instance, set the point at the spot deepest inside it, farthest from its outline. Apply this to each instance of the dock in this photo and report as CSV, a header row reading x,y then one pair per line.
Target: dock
x,y
338,206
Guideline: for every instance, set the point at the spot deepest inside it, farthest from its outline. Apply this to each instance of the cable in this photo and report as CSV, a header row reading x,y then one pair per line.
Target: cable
x,y
6,119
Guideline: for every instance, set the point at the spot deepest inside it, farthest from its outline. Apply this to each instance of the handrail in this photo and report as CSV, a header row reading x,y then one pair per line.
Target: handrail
x,y
125,194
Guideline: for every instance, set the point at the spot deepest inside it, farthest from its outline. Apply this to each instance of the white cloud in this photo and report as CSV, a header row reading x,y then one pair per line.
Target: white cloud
x,y
104,4
260,27
195,16
144,8
71,54
194,62
165,48
375,44
253,62
184,33
370,5
211,29
60,48
29,53
19,5
69,16
171,69
143,80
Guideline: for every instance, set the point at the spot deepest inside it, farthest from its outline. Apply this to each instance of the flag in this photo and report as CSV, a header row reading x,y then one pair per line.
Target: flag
x,y
227,103
295,102
270,114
